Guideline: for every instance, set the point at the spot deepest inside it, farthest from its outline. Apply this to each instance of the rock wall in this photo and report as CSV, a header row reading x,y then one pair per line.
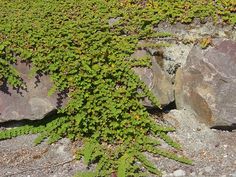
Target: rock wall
x,y
200,80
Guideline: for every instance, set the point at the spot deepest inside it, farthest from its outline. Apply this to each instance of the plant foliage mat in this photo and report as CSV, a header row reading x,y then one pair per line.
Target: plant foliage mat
x,y
85,47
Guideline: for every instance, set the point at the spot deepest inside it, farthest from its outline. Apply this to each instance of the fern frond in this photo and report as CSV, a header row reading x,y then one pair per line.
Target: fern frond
x,y
122,166
40,138
168,154
147,164
169,140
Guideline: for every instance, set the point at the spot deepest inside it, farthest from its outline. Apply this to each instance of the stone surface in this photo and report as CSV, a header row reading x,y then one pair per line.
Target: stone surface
x,y
175,56
33,102
208,169
20,158
234,174
199,136
206,147
24,159
196,30
112,21
185,35
179,173
206,84
156,79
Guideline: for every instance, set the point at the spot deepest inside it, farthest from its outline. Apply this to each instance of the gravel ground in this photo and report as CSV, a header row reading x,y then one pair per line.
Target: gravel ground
x,y
20,158
213,153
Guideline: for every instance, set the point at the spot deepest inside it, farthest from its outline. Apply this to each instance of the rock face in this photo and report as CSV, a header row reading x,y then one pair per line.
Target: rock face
x,y
156,79
32,103
207,84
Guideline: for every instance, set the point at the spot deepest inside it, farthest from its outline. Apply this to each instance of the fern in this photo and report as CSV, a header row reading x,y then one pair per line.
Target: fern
x,y
147,164
89,147
169,140
168,154
122,166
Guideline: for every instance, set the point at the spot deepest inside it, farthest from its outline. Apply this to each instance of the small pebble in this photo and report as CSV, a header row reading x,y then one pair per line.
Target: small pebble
x,y
164,174
200,173
179,173
208,169
221,34
234,174
167,175
217,144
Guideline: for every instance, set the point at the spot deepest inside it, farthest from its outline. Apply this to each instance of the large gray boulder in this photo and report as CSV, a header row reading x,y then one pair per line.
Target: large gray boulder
x,y
206,84
156,80
33,102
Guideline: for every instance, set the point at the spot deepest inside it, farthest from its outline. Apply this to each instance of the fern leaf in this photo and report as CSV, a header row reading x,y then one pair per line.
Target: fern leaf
x,y
122,166
169,140
40,138
168,154
147,164
88,151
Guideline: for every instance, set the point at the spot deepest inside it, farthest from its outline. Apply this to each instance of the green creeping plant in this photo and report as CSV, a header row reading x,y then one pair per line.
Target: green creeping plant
x,y
85,47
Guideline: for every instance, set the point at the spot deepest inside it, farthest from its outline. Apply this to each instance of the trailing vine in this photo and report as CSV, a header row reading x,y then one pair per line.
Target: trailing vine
x,y
85,47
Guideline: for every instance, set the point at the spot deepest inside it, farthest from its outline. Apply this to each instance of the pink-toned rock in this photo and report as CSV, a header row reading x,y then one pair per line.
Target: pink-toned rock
x,y
206,85
32,103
